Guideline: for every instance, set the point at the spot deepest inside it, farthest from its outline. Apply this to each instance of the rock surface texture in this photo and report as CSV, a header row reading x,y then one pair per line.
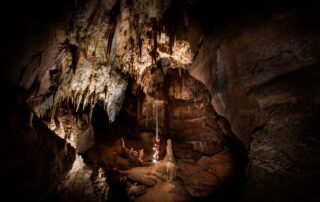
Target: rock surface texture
x,y
34,159
83,184
265,81
223,82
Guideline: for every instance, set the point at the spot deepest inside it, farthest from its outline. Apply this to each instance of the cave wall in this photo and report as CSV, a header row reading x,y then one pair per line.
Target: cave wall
x,y
191,116
74,127
33,159
183,105
210,159
83,183
263,72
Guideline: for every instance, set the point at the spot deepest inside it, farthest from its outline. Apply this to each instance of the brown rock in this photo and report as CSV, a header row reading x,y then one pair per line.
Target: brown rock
x,y
185,151
223,165
165,192
202,184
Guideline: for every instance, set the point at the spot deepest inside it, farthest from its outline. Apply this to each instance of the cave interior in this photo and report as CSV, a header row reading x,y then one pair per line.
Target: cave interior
x,y
149,100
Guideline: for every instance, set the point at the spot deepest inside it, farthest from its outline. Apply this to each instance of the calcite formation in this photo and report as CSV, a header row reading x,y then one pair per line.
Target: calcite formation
x,y
103,46
223,82
83,183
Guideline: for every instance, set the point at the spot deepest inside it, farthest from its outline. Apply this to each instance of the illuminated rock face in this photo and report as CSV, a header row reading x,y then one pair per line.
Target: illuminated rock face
x,y
260,81
76,130
206,156
83,183
104,44
89,68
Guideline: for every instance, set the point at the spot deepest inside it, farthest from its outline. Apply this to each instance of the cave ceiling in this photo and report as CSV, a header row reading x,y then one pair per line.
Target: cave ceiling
x,y
108,41
231,88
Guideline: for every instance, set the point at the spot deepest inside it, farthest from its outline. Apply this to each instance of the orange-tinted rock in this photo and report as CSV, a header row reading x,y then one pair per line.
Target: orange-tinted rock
x,y
165,192
202,184
223,165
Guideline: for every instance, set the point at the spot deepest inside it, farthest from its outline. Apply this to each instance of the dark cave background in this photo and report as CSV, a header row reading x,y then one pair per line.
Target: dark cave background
x,y
282,139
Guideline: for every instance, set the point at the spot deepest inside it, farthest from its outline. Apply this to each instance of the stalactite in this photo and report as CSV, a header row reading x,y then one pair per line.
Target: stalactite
x,y
147,114
183,83
140,41
138,107
194,94
113,21
90,46
171,38
31,119
79,97
157,120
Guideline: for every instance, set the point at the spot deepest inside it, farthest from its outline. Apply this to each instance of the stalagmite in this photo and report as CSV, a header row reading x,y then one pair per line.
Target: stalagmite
x,y
170,164
164,170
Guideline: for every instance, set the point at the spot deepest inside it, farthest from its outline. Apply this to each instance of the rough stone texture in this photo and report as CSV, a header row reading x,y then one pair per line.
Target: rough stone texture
x,y
287,160
208,176
261,69
86,62
33,159
159,180
263,76
83,184
184,110
197,131
192,118
75,128
116,155
165,191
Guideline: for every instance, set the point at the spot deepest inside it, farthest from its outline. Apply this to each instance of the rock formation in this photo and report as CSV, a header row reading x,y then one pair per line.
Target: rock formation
x,y
35,159
87,86
161,176
83,183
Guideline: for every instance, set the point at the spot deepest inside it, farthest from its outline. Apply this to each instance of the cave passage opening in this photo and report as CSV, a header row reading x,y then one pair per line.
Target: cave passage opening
x,y
209,160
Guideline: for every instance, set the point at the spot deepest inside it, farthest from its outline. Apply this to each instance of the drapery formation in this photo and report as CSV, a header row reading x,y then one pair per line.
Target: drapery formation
x,y
108,41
